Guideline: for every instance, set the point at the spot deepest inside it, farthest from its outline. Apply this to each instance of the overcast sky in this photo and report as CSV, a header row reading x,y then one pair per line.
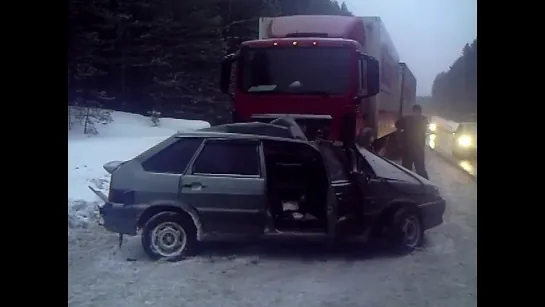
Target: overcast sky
x,y
428,34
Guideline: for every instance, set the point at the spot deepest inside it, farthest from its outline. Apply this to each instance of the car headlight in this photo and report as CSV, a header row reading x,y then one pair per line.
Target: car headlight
x,y
433,191
464,141
466,165
432,127
431,140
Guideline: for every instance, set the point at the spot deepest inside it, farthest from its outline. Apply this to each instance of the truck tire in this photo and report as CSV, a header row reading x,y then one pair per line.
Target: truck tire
x,y
169,236
405,231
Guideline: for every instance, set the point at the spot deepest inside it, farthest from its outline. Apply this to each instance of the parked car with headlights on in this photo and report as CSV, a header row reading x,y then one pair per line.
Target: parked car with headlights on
x,y
465,141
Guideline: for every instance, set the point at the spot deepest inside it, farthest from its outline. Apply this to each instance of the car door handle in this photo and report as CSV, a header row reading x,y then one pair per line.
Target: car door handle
x,y
195,185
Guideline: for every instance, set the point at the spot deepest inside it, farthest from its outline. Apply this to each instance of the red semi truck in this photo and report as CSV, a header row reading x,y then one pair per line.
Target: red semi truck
x,y
337,76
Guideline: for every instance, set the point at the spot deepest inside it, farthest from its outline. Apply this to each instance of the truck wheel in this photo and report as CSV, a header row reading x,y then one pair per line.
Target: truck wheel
x,y
169,236
406,232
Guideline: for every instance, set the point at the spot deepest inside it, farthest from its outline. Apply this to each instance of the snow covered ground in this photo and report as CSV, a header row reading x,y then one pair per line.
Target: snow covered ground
x,y
287,273
124,138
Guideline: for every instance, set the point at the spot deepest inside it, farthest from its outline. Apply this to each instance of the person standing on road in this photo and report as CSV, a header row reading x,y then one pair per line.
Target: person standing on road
x,y
413,129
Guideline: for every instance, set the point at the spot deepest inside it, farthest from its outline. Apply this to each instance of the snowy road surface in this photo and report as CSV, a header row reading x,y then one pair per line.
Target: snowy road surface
x,y
288,273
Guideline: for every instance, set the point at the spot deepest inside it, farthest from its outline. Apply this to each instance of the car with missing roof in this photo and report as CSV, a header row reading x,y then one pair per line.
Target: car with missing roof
x,y
255,179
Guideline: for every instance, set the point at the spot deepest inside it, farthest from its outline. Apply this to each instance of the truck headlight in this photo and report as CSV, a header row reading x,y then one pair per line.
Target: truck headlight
x,y
464,141
432,127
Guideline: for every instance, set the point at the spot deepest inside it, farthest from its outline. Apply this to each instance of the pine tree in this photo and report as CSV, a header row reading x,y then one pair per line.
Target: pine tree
x,y
187,40
164,55
456,89
84,64
344,10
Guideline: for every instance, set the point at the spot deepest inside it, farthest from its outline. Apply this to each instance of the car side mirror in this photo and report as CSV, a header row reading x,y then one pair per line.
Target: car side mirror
x,y
371,75
225,77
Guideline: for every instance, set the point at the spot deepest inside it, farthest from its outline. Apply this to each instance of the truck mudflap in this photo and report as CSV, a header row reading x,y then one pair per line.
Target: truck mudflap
x,y
388,146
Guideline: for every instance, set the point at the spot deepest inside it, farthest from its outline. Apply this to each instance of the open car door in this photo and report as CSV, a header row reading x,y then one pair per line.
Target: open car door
x,y
332,201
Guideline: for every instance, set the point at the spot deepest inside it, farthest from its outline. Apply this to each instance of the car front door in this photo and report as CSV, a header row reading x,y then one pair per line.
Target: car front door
x,y
225,183
376,191
332,201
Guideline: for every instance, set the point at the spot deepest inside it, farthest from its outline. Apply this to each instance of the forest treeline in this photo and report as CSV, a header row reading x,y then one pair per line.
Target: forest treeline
x,y
455,91
164,55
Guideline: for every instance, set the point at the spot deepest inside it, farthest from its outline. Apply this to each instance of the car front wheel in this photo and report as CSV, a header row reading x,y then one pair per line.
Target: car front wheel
x,y
169,236
406,231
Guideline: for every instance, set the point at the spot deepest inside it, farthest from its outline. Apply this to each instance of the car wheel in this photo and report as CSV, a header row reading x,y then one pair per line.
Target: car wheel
x,y
406,231
169,236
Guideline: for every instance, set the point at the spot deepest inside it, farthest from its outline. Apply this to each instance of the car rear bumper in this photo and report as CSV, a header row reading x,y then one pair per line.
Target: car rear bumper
x,y
120,218
432,213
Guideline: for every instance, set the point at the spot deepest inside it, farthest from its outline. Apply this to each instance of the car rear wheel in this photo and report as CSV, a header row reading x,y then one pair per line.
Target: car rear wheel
x,y
169,236
406,231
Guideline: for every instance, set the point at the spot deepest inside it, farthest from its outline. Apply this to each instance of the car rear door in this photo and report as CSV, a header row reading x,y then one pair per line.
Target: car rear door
x,y
225,183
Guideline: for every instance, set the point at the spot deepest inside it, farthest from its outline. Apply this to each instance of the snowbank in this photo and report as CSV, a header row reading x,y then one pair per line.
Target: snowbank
x,y
124,138
135,125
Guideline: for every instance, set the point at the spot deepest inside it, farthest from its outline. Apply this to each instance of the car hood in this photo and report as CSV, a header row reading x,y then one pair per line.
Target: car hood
x,y
390,171
403,180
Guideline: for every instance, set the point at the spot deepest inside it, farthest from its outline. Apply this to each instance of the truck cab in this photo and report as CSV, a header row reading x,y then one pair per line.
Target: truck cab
x,y
310,67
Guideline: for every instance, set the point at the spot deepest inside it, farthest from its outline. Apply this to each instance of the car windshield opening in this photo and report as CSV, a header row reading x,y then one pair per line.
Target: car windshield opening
x,y
304,70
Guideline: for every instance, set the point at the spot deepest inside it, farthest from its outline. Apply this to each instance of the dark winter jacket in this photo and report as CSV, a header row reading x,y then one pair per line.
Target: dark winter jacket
x,y
413,131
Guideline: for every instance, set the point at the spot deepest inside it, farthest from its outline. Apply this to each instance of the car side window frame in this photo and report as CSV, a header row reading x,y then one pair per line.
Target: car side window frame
x,y
362,165
259,150
169,147
331,159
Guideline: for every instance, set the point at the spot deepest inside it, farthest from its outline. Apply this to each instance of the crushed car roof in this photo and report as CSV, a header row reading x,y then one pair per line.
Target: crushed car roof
x,y
285,128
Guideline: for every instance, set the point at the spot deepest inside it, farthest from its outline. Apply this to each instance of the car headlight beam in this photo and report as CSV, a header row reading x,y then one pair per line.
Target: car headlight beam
x,y
464,141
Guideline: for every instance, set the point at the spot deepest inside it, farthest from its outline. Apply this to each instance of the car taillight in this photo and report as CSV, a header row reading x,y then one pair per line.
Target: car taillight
x,y
112,195
121,196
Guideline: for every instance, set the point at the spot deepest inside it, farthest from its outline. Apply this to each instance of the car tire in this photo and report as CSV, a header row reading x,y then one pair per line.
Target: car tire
x,y
406,231
169,236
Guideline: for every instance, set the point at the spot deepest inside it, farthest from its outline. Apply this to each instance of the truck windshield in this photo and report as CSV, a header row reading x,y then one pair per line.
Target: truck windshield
x,y
299,70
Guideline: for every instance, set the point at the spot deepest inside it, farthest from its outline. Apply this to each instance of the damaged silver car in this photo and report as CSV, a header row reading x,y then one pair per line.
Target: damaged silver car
x,y
256,179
